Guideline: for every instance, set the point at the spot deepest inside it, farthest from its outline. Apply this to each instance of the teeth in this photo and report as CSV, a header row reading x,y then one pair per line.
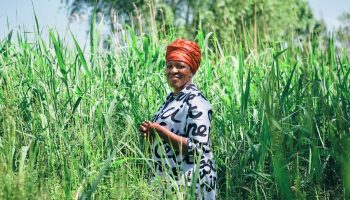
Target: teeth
x,y
175,76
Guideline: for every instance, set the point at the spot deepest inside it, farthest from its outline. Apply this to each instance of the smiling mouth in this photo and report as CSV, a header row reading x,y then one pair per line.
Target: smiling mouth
x,y
174,77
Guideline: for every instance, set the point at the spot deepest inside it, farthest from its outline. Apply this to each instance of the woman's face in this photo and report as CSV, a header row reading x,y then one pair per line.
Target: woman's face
x,y
178,74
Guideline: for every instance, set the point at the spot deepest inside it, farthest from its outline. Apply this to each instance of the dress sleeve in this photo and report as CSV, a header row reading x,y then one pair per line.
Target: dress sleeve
x,y
198,125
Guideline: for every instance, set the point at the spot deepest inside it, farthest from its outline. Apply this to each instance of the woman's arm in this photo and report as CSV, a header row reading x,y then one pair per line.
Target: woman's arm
x,y
178,142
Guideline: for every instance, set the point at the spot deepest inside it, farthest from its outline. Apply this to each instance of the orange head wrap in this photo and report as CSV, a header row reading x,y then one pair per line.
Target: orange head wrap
x,y
185,51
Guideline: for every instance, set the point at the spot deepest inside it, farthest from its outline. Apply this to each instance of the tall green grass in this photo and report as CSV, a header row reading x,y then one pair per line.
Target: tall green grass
x,y
69,118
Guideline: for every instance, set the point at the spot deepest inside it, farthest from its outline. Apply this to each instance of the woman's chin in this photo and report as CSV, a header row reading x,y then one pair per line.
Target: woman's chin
x,y
177,85
174,85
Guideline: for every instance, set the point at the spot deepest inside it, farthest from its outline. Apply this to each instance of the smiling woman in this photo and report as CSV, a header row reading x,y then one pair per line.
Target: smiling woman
x,y
178,74
180,129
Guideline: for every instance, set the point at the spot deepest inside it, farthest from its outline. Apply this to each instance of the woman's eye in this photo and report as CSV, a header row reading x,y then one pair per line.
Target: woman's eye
x,y
180,67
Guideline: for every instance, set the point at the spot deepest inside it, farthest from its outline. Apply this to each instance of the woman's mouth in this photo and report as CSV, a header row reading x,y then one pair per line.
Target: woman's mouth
x,y
175,77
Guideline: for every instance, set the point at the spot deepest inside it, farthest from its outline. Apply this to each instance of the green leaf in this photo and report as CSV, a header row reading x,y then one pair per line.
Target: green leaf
x,y
81,55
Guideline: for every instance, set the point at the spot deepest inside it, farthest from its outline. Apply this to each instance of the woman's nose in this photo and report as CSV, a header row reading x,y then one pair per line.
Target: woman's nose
x,y
173,69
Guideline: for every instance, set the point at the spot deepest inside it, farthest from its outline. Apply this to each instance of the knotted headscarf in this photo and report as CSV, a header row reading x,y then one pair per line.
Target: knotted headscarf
x,y
185,51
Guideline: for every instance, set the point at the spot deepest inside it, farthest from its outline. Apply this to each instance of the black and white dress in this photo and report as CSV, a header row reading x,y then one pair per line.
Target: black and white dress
x,y
189,115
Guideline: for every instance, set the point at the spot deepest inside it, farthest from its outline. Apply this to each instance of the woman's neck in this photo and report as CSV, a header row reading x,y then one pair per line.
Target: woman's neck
x,y
178,90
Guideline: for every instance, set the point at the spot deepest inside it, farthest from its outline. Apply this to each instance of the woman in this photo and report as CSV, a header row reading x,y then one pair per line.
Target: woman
x,y
183,125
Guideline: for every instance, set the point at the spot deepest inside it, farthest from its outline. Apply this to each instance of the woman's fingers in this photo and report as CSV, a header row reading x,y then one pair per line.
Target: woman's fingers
x,y
149,124
145,128
142,128
144,131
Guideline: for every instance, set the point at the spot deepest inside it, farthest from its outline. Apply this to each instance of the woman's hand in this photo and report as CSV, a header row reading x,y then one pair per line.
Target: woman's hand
x,y
146,128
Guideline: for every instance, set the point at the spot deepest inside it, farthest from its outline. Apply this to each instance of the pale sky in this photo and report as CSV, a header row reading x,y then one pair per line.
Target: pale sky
x,y
50,13
329,10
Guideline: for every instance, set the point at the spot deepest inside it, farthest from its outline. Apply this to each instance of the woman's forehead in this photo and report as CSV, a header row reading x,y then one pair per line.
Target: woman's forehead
x,y
177,62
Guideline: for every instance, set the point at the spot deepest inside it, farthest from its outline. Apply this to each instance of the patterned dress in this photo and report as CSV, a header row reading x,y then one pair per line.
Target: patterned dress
x,y
189,115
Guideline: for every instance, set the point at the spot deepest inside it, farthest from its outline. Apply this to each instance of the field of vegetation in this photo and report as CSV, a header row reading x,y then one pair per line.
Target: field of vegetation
x,y
69,116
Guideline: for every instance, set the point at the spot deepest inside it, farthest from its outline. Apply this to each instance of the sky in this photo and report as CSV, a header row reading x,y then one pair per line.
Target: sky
x,y
52,14
329,10
16,14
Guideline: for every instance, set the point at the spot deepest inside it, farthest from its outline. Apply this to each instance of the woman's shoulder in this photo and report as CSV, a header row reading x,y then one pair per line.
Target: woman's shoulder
x,y
196,97
200,101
